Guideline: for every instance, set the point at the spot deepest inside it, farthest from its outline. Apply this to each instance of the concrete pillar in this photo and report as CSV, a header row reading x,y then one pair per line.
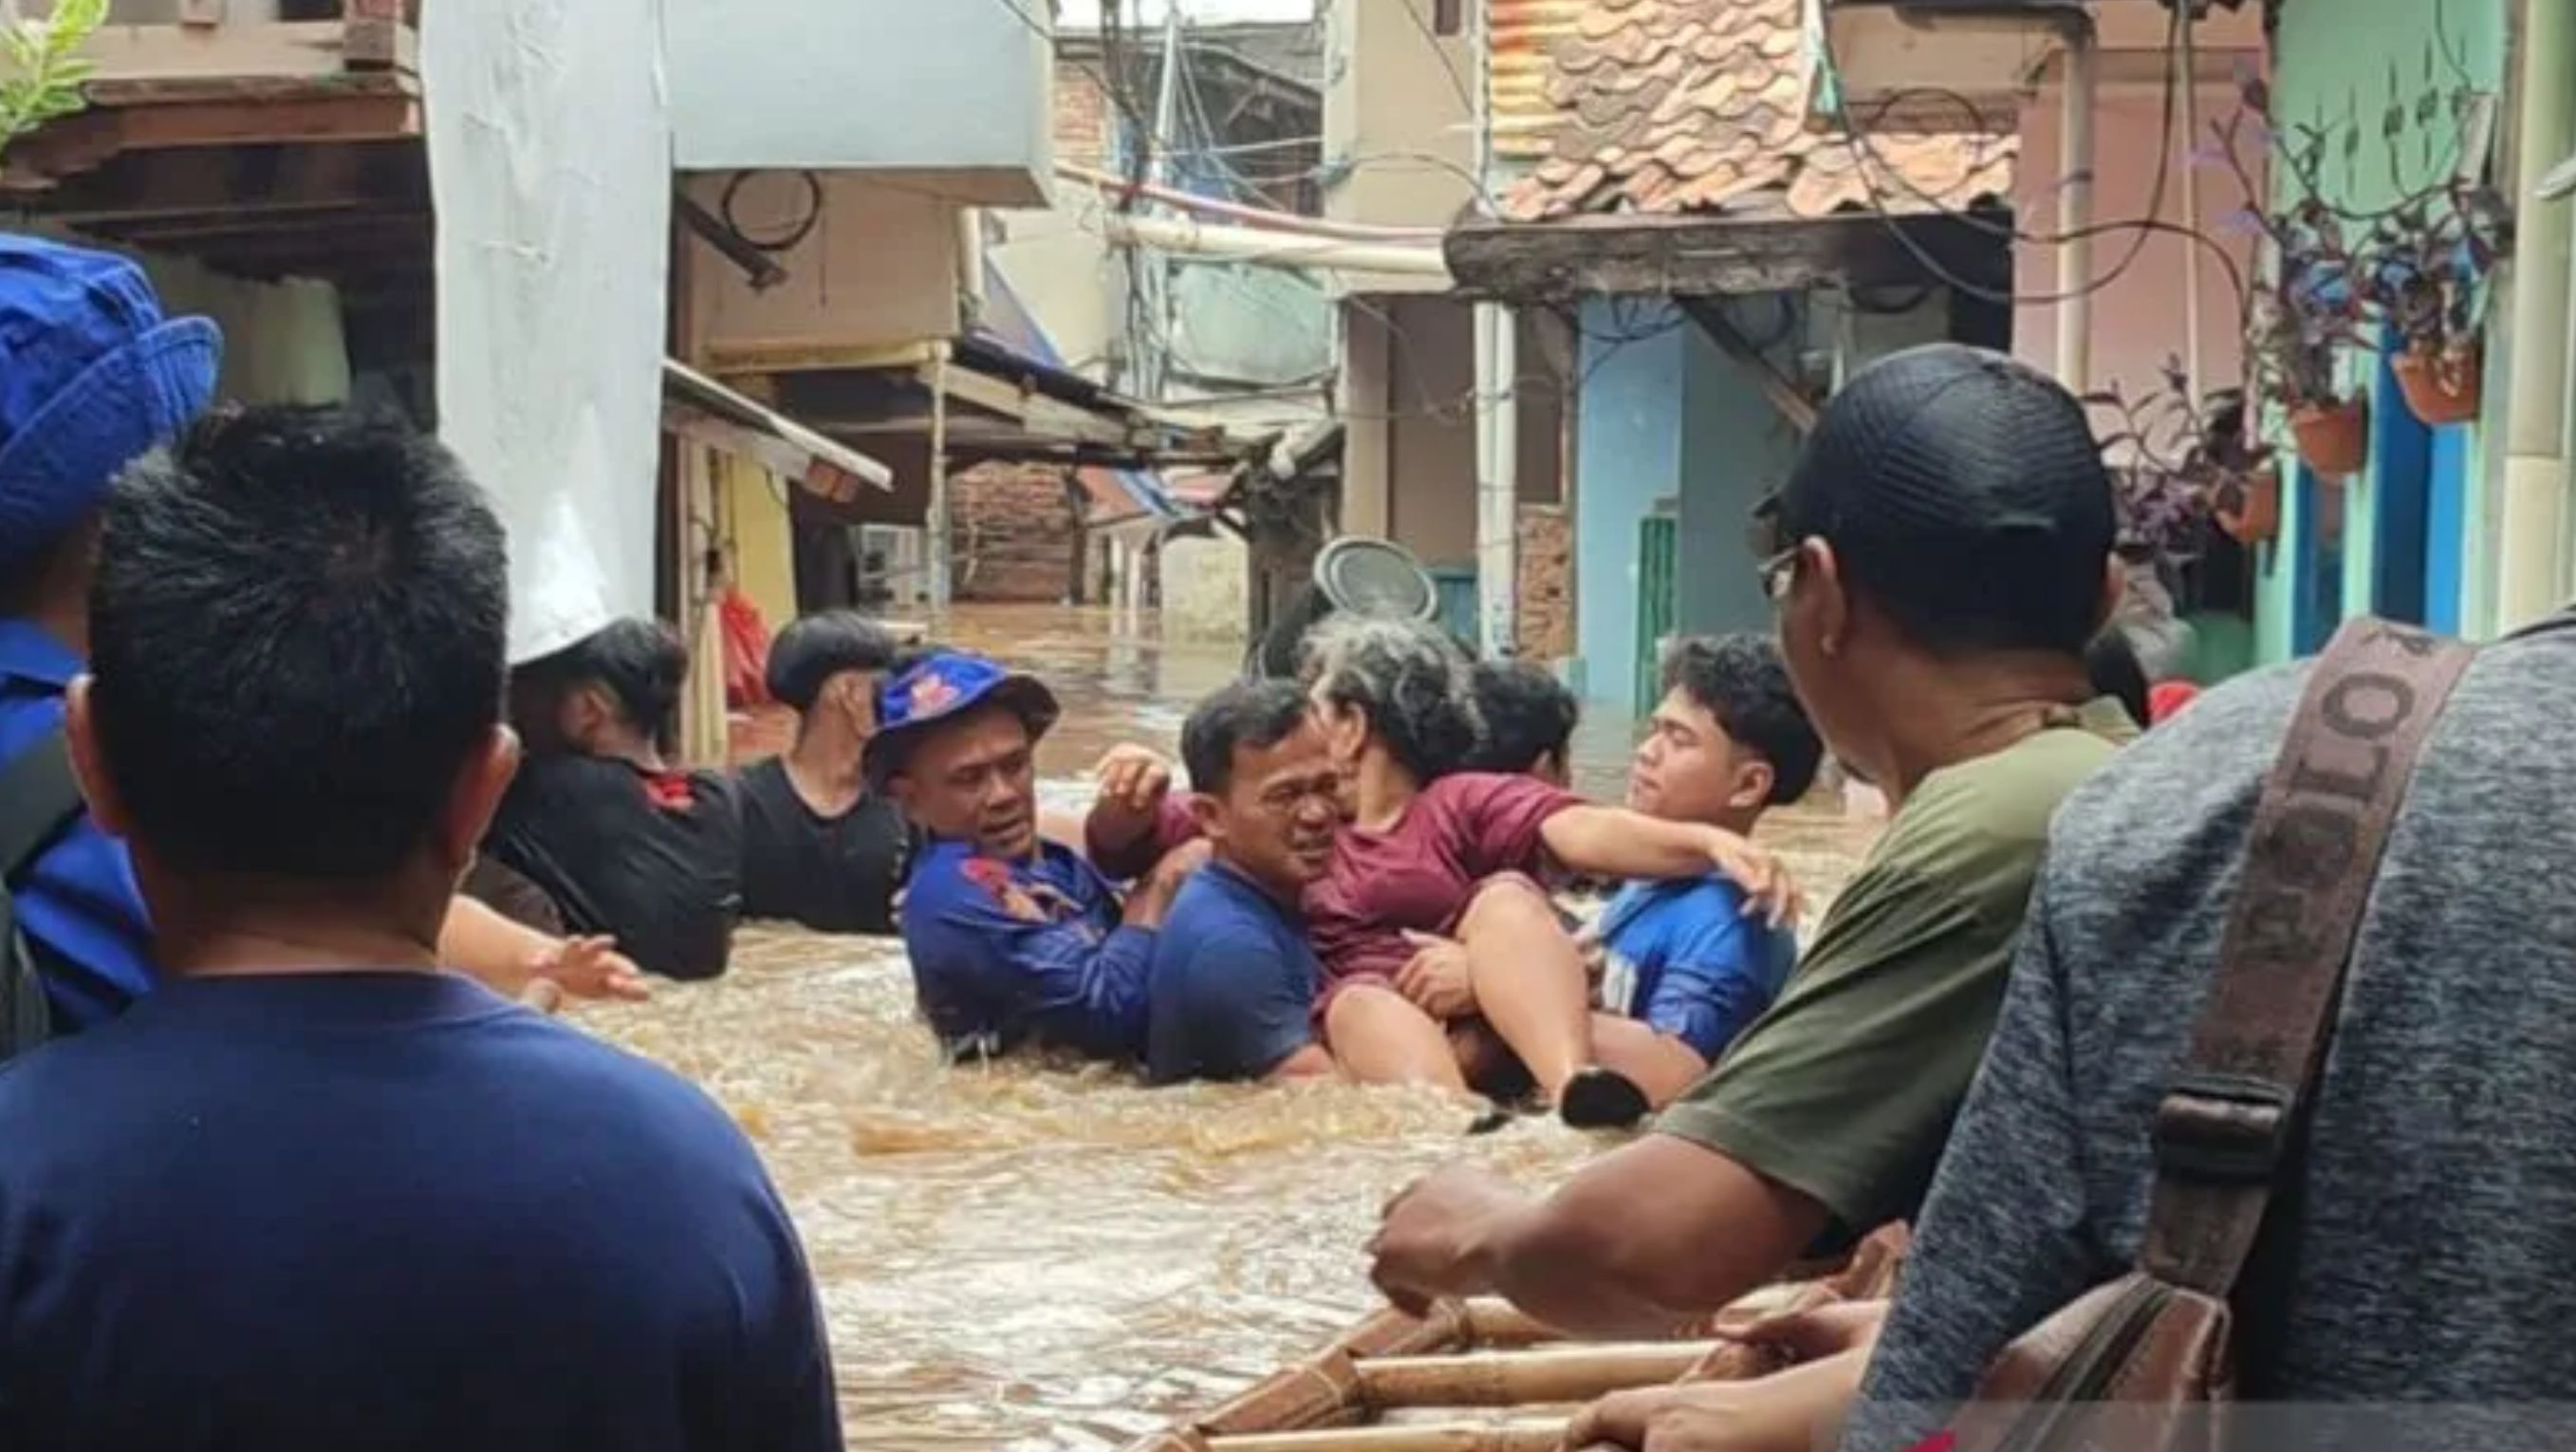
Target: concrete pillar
x,y
1365,398
2532,576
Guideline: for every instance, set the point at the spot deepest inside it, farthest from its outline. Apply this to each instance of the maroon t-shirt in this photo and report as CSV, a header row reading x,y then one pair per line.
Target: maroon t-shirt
x,y
1420,872
1417,874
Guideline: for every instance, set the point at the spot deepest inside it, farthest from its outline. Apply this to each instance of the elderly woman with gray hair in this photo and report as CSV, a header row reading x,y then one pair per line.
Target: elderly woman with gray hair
x,y
1428,854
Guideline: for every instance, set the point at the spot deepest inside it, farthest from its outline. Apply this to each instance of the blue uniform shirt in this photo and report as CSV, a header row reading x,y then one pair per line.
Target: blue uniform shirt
x,y
1684,958
78,900
1234,982
1032,952
391,1211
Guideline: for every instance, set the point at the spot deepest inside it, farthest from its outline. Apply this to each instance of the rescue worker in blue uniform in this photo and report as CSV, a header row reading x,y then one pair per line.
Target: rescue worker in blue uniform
x,y
1016,941
93,376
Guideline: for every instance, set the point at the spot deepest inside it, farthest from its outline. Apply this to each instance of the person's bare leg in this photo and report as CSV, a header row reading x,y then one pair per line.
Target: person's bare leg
x,y
1661,1065
1379,1037
1529,980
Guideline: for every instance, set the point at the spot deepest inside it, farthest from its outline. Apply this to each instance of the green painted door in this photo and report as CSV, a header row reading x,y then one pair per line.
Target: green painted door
x,y
1658,540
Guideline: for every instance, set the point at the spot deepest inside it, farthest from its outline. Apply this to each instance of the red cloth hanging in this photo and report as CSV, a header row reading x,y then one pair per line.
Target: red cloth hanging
x,y
746,651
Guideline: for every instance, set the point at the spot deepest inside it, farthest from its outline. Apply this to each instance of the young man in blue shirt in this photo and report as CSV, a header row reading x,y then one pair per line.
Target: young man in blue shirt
x,y
1234,979
97,376
1683,968
1683,958
1015,941
313,1192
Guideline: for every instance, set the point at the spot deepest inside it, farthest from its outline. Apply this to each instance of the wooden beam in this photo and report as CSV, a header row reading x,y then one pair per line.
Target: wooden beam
x,y
375,36
266,180
1555,263
80,143
191,52
752,355
1710,314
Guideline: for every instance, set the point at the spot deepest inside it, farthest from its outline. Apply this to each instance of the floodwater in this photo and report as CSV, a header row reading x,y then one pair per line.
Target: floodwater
x,y
1041,1258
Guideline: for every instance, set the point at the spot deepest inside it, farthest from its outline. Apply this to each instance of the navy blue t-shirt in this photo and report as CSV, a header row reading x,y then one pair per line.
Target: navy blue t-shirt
x,y
1233,983
389,1211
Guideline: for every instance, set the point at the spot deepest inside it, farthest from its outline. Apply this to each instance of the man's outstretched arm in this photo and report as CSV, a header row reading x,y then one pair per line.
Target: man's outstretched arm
x,y
1640,1241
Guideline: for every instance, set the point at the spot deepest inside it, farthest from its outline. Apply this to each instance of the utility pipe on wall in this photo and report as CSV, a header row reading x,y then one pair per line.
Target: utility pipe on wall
x,y
1498,431
1276,249
2192,361
1498,436
2531,574
2075,207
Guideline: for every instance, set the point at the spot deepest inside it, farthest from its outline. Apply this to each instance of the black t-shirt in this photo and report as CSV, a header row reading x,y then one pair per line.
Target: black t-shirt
x,y
835,874
651,858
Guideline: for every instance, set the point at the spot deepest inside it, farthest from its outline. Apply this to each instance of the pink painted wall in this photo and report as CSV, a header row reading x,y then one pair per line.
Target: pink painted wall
x,y
2139,319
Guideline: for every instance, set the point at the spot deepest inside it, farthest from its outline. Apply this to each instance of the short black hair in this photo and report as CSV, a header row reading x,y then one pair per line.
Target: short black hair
x,y
298,635
1528,715
815,648
1742,681
1255,714
642,664
2116,671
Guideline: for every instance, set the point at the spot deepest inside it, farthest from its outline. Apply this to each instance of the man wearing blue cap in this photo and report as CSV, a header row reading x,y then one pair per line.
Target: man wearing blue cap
x,y
93,376
1015,940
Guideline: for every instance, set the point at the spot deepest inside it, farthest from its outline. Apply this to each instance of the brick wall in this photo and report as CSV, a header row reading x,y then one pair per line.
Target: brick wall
x,y
1546,582
1013,532
1081,116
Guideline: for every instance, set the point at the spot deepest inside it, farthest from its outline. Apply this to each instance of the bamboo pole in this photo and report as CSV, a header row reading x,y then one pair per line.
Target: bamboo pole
x,y
1518,1436
1518,1378
1492,1321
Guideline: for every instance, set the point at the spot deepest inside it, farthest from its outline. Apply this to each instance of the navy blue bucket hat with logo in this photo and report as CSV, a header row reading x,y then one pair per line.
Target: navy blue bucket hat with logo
x,y
92,377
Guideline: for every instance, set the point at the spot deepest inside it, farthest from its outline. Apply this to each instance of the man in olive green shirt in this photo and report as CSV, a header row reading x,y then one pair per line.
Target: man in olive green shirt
x,y
1938,560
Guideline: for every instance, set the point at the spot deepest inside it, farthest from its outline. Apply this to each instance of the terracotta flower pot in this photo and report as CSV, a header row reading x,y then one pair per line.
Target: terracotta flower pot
x,y
2442,385
2334,438
2256,514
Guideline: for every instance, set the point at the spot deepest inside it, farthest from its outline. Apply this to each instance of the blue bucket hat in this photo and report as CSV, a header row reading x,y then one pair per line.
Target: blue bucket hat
x,y
92,377
943,686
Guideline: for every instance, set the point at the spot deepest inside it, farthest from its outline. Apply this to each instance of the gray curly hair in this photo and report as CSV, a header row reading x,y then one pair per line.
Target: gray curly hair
x,y
1412,682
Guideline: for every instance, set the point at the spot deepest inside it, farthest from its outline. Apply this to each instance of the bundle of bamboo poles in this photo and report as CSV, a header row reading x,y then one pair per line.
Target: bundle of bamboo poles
x,y
1479,1376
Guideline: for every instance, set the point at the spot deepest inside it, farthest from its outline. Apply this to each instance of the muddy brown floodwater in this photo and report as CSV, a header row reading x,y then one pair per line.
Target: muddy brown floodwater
x,y
1039,1258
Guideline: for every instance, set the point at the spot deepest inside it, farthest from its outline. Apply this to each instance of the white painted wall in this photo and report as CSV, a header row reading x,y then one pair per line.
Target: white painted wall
x,y
880,267
955,93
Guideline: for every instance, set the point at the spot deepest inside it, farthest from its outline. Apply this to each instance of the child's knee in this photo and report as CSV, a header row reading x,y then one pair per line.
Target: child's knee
x,y
1507,898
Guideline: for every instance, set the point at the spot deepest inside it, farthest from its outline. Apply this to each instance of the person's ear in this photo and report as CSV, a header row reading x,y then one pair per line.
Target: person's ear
x,y
476,796
1751,789
585,716
859,698
1208,814
1829,596
89,761
2115,588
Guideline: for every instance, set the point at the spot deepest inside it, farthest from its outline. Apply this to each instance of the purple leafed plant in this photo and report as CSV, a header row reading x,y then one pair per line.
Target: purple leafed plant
x,y
2174,460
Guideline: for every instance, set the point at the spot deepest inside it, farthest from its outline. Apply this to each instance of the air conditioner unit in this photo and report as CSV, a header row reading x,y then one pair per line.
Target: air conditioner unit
x,y
892,563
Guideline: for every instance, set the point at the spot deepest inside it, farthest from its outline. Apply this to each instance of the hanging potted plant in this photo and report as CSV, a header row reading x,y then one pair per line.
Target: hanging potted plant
x,y
2426,267
2177,464
2309,309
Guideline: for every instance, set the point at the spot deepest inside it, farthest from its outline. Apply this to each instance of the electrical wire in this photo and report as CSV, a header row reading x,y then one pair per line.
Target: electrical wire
x,y
1872,169
1431,34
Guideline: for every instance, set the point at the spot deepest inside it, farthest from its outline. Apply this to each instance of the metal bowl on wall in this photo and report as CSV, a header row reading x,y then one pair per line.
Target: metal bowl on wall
x,y
1353,575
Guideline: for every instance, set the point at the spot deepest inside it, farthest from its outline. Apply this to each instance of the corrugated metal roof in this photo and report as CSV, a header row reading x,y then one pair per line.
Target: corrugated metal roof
x,y
1674,106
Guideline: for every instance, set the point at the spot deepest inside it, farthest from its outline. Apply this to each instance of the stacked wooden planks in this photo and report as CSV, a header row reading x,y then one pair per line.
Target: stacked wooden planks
x,y
1479,1376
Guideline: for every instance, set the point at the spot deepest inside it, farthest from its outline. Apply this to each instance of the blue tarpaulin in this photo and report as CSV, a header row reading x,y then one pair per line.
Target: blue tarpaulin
x,y
1008,324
